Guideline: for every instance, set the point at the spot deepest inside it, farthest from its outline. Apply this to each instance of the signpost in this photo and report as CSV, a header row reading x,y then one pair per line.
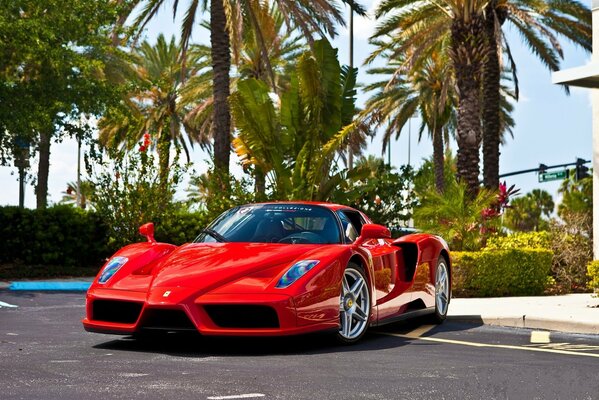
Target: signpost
x,y
553,176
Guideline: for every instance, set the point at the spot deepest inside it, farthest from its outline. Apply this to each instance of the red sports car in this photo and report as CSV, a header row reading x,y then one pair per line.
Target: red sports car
x,y
280,268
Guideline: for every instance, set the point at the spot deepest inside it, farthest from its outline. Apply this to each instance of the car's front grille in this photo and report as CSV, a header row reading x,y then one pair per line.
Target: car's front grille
x,y
125,312
243,316
166,319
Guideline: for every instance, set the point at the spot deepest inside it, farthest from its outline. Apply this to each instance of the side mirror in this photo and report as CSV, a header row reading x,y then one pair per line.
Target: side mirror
x,y
147,230
373,231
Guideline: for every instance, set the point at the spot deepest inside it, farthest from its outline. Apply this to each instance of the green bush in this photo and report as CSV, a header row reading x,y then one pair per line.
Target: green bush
x,y
513,272
181,227
60,235
520,240
593,275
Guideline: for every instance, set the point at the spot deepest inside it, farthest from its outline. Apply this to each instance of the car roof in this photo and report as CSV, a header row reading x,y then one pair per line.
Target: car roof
x,y
330,206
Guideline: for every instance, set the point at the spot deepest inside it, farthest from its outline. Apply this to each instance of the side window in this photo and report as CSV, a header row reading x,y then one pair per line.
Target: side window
x,y
352,224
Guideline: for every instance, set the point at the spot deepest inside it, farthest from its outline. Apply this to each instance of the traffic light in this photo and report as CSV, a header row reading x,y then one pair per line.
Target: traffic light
x,y
582,171
542,168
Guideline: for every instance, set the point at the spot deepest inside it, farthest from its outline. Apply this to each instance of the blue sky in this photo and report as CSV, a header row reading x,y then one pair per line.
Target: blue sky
x,y
551,127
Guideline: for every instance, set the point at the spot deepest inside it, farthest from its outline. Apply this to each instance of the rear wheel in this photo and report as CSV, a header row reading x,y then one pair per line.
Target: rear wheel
x,y
354,305
442,290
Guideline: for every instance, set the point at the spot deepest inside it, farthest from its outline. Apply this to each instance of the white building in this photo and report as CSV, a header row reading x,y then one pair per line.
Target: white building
x,y
588,77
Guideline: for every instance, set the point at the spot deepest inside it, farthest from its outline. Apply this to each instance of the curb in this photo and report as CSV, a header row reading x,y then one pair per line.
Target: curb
x,y
70,286
530,323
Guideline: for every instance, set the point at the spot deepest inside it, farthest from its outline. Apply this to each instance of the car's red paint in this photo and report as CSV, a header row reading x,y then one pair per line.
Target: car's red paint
x,y
194,277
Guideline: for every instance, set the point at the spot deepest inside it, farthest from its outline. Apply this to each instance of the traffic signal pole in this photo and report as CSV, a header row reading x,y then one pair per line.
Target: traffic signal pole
x,y
581,169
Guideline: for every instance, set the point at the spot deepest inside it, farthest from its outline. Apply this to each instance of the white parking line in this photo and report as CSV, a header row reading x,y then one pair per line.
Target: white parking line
x,y
540,337
238,396
494,346
3,304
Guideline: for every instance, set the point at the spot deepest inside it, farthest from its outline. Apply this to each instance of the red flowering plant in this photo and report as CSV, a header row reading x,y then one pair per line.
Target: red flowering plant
x,y
463,221
129,193
146,141
491,216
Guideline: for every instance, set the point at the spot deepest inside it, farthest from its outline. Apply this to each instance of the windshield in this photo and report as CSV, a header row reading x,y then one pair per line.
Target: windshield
x,y
274,223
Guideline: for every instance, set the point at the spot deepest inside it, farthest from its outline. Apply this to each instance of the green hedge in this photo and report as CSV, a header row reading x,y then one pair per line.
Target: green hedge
x,y
593,275
64,240
514,272
61,235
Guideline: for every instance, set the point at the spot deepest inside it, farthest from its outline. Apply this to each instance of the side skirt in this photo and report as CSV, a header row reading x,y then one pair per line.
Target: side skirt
x,y
406,315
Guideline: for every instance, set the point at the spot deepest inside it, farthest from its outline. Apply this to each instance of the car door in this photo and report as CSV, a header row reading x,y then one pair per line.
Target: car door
x,y
390,291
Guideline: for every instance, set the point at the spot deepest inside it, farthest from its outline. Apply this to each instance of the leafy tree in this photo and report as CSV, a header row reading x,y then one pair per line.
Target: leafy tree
x,y
526,213
293,144
576,208
52,70
386,196
129,193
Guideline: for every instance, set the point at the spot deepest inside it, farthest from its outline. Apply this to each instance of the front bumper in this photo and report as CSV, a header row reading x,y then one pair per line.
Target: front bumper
x,y
182,309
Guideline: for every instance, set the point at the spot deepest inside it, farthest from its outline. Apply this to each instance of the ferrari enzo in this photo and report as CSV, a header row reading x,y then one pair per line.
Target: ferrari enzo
x,y
281,268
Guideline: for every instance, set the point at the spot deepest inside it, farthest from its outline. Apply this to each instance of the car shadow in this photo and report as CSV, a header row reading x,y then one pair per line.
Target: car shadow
x,y
198,346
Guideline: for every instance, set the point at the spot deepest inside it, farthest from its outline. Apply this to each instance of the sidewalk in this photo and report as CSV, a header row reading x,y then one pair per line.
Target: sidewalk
x,y
574,313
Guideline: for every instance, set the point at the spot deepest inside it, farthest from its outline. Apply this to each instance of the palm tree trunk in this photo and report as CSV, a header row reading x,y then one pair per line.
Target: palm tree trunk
x,y
466,54
491,102
221,65
41,189
260,180
164,149
438,158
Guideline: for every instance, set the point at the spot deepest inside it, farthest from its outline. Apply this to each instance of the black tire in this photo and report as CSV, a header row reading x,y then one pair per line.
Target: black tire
x,y
354,306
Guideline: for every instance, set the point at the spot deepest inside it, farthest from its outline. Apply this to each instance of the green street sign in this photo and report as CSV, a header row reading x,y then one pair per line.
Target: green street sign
x,y
553,176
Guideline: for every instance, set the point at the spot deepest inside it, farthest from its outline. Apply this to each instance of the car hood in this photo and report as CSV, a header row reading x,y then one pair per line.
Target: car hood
x,y
209,265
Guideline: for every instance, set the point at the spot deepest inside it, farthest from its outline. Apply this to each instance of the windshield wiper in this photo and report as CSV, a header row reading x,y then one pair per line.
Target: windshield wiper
x,y
219,238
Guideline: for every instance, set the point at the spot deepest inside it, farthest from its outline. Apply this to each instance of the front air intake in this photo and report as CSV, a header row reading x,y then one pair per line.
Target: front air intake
x,y
124,312
167,320
243,316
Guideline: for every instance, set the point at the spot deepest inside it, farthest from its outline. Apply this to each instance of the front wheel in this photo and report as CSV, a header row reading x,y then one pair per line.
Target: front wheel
x,y
354,305
442,290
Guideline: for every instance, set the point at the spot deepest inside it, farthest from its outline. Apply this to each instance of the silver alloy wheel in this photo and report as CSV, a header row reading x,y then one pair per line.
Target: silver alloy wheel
x,y
354,304
442,289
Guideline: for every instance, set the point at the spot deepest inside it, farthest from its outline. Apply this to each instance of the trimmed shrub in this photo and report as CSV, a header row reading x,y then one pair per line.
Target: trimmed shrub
x,y
60,235
520,240
593,274
514,272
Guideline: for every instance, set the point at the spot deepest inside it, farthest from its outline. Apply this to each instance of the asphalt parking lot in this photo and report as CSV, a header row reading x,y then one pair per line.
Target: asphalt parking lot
x,y
46,354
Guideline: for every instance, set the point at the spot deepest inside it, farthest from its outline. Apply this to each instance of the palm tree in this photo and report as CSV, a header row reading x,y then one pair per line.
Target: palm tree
x,y
226,22
539,23
426,89
154,105
421,26
526,213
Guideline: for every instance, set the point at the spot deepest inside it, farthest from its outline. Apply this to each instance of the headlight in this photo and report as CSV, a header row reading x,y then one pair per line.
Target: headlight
x,y
111,268
296,271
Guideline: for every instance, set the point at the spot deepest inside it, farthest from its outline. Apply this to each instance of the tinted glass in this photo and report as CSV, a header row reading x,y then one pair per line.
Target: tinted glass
x,y
275,223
